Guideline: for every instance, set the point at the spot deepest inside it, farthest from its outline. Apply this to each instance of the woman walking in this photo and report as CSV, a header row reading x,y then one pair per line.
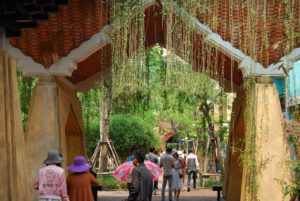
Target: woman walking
x,y
79,183
50,181
177,175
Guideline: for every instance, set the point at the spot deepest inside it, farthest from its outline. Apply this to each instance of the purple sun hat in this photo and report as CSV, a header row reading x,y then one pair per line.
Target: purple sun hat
x,y
79,165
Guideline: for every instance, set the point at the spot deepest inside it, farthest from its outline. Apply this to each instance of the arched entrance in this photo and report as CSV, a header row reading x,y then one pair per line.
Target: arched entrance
x,y
74,138
75,58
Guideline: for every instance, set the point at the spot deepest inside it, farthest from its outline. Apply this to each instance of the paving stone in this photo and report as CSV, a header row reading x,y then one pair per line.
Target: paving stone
x,y
194,195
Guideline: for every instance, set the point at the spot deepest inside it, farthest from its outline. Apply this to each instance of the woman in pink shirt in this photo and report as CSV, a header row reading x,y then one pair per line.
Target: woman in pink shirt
x,y
50,181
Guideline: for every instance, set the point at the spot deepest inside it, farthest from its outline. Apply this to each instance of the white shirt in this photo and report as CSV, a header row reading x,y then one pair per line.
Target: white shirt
x,y
192,162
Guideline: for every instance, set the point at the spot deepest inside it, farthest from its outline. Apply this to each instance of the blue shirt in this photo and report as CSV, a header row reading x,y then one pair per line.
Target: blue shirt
x,y
130,158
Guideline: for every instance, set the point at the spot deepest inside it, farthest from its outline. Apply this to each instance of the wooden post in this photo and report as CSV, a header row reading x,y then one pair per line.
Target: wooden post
x,y
105,133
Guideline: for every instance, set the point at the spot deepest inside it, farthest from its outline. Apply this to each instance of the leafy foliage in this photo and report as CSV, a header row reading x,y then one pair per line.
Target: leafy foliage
x,y
126,131
26,85
90,112
109,182
210,182
292,130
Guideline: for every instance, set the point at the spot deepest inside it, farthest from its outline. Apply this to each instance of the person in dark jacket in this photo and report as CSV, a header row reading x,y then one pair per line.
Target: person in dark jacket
x,y
142,183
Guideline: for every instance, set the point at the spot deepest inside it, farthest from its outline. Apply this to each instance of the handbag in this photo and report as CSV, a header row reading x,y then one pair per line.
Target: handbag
x,y
180,175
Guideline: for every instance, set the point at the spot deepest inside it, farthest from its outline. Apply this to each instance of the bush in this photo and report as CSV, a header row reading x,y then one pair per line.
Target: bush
x,y
108,182
209,182
127,130
92,137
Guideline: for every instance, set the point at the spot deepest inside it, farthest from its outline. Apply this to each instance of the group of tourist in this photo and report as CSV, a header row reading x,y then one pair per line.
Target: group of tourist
x,y
173,166
51,184
173,171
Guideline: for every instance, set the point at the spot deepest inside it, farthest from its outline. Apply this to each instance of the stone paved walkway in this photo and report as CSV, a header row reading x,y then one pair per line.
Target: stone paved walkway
x,y
195,195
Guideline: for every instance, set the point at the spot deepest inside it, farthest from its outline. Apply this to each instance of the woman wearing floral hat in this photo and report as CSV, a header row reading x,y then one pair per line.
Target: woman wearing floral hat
x,y
79,183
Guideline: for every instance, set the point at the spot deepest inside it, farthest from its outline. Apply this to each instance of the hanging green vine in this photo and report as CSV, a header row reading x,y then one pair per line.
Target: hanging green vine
x,y
248,156
127,42
249,28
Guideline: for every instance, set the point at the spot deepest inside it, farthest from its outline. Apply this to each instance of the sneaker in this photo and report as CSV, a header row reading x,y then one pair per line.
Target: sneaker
x,y
188,189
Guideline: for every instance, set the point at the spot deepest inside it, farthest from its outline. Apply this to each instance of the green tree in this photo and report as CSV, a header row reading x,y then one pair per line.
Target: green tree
x,y
183,97
127,130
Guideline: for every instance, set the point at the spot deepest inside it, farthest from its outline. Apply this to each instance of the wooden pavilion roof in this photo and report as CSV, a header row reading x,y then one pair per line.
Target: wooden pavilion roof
x,y
63,31
75,22
236,32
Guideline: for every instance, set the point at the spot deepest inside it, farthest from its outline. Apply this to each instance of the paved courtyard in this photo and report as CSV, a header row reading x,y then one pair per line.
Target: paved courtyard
x,y
195,195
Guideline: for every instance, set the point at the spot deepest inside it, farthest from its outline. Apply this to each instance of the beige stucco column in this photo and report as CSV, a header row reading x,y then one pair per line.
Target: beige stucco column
x,y
14,176
257,150
43,128
54,122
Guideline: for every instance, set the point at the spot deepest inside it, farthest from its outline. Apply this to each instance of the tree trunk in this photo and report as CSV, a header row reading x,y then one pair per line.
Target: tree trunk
x,y
214,155
147,64
220,154
199,138
206,155
188,139
105,133
101,111
205,108
176,132
87,102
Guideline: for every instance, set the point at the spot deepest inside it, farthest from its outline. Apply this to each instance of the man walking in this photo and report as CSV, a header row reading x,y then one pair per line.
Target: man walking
x,y
192,168
141,185
167,162
154,159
